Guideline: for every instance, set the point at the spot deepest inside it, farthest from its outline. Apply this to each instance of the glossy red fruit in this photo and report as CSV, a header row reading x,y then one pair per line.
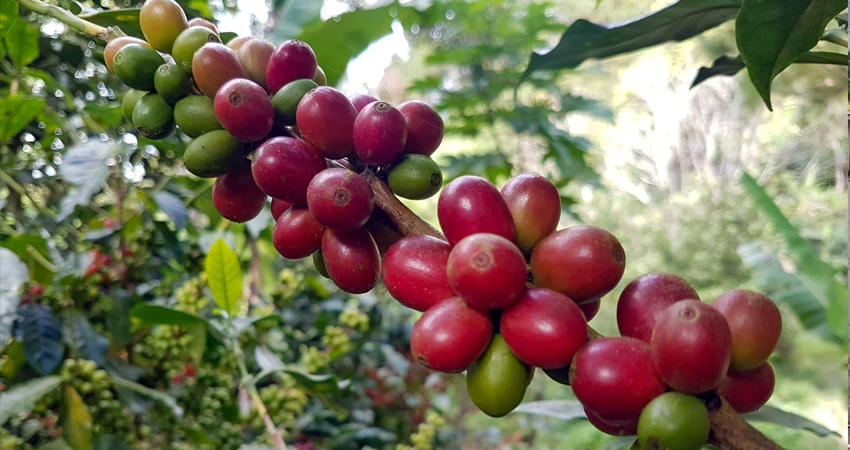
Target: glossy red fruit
x,y
615,378
755,324
544,328
279,207
590,309
244,110
487,271
450,336
359,101
340,199
283,168
424,127
691,346
414,271
535,206
379,134
748,391
352,259
236,197
213,65
582,262
292,60
645,298
296,233
254,55
470,205
612,427
325,119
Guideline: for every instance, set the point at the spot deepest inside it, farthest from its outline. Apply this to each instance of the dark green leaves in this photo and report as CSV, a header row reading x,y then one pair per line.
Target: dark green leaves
x,y
777,416
22,397
15,113
87,342
22,44
772,34
730,66
149,315
224,277
76,420
159,396
41,334
584,40
8,15
126,19
493,166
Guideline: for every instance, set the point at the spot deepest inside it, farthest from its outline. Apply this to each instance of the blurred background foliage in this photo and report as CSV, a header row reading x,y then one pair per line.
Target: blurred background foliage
x,y
100,220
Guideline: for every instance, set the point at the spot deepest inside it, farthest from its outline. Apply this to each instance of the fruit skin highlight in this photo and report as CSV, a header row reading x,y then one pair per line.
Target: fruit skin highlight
x,y
470,205
161,22
340,199
535,205
214,65
450,336
283,168
645,298
326,118
414,271
291,60
487,271
380,133
243,108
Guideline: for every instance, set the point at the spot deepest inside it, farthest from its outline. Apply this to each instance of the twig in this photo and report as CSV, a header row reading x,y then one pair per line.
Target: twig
x,y
65,16
835,36
249,383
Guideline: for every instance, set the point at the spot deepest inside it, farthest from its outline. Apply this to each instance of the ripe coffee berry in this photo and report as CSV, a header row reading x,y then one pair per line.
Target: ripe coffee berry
x,y
645,298
351,259
283,168
424,127
755,324
244,110
296,233
279,207
325,118
544,328
750,390
450,336
379,134
414,271
292,60
615,378
213,65
581,262
691,345
361,100
235,195
487,271
590,309
535,206
340,199
470,205
612,427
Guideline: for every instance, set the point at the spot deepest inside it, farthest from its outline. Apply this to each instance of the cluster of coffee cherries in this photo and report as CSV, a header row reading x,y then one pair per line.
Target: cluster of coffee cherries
x,y
264,125
506,293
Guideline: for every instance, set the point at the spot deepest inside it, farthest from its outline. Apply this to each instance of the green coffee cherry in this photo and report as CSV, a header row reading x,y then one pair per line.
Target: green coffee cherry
x,y
415,176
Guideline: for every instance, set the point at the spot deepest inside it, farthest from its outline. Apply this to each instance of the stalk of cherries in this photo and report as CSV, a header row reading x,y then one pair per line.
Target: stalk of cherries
x,y
503,294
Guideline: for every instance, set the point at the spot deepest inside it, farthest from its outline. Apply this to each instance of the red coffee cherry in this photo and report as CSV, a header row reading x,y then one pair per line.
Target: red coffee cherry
x,y
750,390
351,259
544,328
612,427
359,101
582,262
424,127
535,206
325,118
292,60
379,134
691,346
590,309
283,168
244,110
645,298
470,205
615,378
296,233
213,65
755,324
340,199
414,271
487,271
279,207
235,195
450,336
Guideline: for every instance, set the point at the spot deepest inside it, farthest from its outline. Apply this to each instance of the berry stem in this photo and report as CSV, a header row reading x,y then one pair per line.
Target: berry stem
x,y
249,383
405,221
66,17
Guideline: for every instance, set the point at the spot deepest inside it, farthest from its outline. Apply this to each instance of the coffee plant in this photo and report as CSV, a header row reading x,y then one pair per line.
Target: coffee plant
x,y
101,351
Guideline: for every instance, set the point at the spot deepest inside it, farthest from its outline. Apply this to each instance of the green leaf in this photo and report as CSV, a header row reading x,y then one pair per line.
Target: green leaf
x,y
85,340
149,315
291,17
154,394
493,166
224,277
227,36
107,116
819,278
76,420
16,113
771,414
42,338
241,324
126,19
22,44
8,16
585,40
558,409
730,66
772,34
22,397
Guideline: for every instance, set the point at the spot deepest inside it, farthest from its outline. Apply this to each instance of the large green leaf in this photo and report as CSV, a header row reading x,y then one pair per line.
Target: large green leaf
x,y
32,250
725,65
224,277
87,342
772,34
126,19
493,166
159,396
585,40
558,409
76,420
149,315
22,44
291,16
819,278
22,397
15,113
8,15
786,419
42,337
